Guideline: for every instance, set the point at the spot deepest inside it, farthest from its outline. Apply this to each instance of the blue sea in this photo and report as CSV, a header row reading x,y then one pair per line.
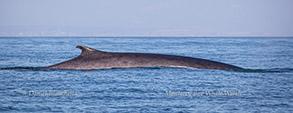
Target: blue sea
x,y
265,85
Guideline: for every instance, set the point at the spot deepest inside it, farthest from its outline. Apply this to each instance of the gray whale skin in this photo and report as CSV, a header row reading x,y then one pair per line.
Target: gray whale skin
x,y
91,59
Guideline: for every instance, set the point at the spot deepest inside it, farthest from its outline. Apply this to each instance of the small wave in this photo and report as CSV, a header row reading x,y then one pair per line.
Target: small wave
x,y
273,70
22,68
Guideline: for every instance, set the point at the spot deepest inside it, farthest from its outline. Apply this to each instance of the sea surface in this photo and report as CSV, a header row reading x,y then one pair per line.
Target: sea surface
x,y
265,85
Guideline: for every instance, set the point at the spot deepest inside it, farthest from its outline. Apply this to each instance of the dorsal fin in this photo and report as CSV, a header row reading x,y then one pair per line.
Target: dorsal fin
x,y
87,50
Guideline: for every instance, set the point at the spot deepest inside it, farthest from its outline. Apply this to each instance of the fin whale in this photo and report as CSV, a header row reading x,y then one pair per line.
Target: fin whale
x,y
90,59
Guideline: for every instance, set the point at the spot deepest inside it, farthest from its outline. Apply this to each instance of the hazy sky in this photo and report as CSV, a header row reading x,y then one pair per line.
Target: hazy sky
x,y
146,17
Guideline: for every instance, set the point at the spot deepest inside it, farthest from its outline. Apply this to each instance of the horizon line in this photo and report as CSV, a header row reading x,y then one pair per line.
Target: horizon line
x,y
148,36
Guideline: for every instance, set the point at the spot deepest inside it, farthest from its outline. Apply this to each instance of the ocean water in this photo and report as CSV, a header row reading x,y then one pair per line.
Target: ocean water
x,y
266,84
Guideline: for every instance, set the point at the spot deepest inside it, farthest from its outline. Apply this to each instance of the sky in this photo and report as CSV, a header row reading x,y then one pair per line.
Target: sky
x,y
146,17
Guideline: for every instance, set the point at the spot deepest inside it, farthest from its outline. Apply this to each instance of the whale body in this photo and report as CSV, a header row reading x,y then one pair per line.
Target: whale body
x,y
91,59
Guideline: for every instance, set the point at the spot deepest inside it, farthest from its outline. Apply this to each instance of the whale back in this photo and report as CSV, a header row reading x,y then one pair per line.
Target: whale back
x,y
95,59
